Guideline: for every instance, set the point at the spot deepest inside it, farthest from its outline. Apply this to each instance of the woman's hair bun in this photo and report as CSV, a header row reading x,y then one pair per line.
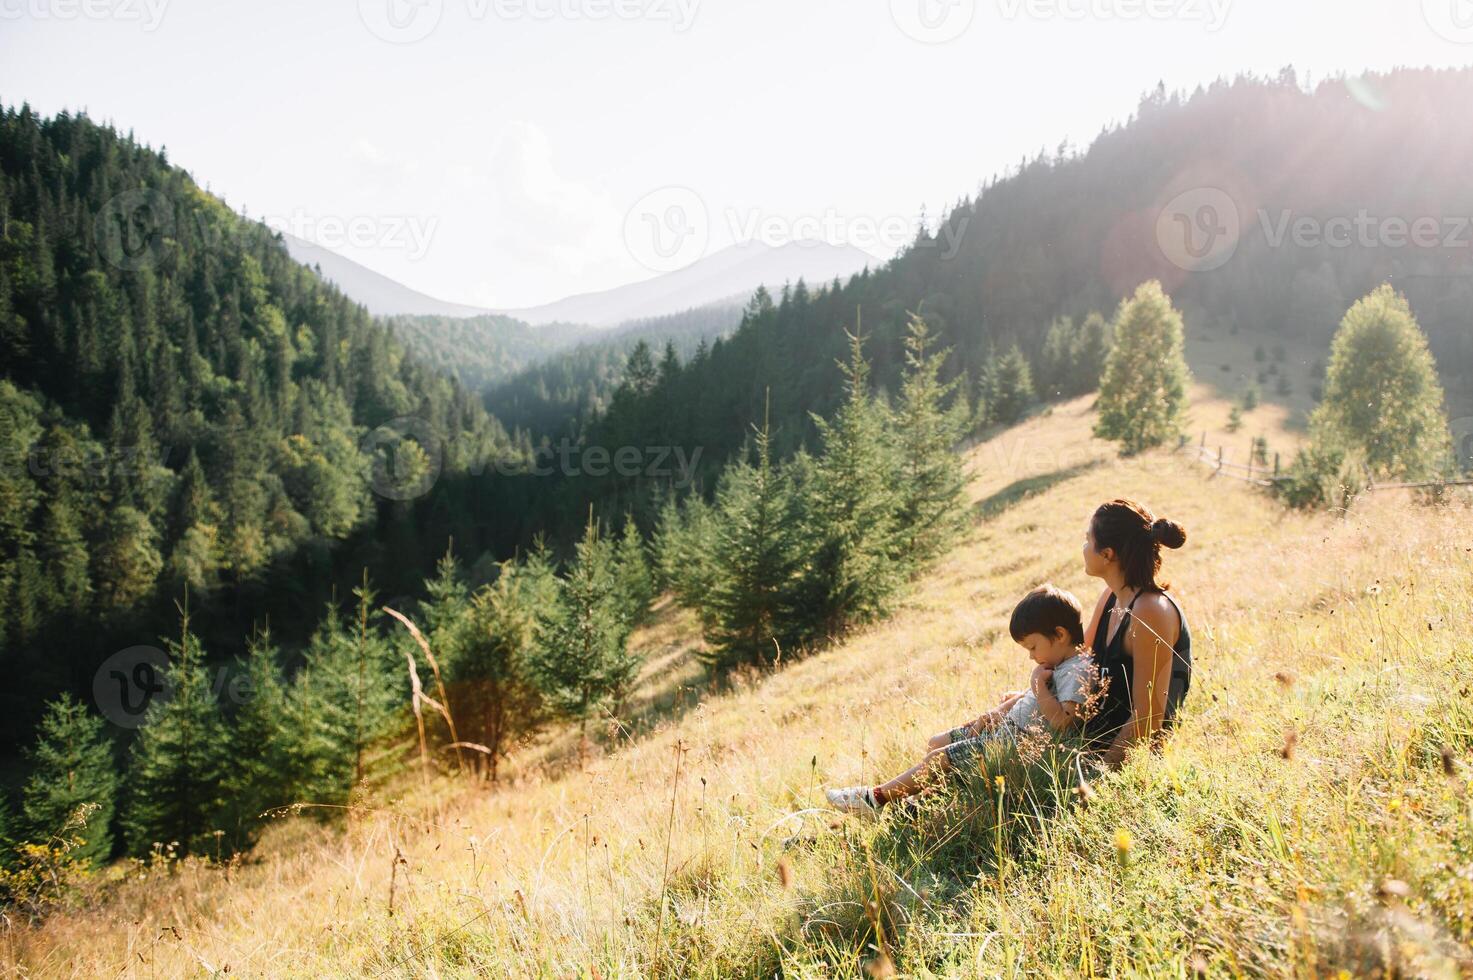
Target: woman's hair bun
x,y
1169,533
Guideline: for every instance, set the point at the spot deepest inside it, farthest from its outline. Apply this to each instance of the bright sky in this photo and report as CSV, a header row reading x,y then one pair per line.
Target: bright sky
x,y
510,152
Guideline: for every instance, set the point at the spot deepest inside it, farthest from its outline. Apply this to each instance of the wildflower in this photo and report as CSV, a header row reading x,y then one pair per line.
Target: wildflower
x,y
1123,845
1000,782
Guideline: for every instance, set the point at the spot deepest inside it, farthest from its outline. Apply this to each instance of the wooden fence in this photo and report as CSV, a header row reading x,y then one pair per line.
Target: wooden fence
x,y
1265,474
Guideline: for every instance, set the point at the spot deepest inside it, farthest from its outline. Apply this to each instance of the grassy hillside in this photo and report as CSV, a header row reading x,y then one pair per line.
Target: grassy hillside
x,y
1311,813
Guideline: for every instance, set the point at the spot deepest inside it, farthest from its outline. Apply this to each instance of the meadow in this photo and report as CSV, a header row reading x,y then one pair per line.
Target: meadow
x,y
1311,814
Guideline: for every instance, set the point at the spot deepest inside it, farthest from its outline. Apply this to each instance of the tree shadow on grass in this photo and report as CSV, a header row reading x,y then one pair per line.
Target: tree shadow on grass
x,y
1020,490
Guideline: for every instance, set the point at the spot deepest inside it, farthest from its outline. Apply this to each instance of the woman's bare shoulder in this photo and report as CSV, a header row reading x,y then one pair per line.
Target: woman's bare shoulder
x,y
1159,613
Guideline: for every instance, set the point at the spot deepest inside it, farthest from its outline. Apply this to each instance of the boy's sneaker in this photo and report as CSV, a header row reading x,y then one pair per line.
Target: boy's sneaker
x,y
854,799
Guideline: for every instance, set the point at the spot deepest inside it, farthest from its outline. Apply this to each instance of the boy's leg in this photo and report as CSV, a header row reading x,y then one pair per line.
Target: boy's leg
x,y
944,739
918,777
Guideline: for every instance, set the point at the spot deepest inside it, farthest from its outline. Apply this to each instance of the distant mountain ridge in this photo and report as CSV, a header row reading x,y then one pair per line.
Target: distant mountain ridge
x,y
731,275
381,295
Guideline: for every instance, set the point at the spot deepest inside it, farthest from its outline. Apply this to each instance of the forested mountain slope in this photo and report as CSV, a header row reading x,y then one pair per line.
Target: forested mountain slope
x,y
185,407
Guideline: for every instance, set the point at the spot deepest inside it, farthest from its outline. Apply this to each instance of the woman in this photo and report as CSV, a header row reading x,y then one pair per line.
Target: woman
x,y
1138,633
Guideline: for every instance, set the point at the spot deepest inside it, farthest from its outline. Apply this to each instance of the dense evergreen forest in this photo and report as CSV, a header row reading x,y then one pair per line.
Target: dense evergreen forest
x,y
481,351
562,394
185,407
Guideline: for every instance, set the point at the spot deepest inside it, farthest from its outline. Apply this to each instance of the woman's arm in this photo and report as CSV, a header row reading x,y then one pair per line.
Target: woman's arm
x,y
1094,621
1154,626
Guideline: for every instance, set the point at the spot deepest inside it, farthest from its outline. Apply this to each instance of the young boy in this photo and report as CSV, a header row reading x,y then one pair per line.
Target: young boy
x,y
1048,623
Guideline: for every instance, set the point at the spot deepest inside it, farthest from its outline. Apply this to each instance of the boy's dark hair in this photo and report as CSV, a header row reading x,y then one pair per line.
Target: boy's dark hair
x,y
1045,609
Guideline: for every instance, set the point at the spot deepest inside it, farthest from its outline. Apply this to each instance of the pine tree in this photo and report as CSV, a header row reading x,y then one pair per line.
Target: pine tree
x,y
445,612
178,763
497,699
636,585
1007,383
126,562
1056,366
850,512
683,551
73,786
750,603
1144,389
64,551
581,661
1091,351
260,773
1382,397
341,702
932,484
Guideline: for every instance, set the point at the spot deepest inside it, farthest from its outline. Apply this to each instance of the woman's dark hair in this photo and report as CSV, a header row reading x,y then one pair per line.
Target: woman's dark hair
x,y
1046,609
1136,536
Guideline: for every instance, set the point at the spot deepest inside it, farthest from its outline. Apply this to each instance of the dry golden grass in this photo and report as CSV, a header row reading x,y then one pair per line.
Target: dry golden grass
x,y
696,849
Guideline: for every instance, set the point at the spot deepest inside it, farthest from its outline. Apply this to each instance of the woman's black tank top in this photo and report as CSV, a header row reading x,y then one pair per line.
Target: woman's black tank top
x,y
1116,670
